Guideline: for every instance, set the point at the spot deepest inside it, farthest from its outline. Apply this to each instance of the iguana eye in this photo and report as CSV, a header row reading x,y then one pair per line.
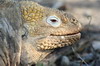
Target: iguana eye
x,y
54,21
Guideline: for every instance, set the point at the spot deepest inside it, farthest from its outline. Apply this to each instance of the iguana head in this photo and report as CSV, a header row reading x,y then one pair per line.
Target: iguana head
x,y
47,29
53,28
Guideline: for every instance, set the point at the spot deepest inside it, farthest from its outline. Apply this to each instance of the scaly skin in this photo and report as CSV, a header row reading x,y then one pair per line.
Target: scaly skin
x,y
43,37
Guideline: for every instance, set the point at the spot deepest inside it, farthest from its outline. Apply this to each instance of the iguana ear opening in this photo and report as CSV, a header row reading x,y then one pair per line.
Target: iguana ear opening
x,y
53,21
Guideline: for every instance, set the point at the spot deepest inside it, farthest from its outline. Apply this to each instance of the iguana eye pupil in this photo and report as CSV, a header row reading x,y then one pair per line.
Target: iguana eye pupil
x,y
53,20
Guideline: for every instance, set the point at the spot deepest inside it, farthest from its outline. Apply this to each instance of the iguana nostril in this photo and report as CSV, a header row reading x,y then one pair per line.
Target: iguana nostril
x,y
73,19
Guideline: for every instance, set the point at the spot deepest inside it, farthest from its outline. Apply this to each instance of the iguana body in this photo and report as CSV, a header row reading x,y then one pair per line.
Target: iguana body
x,y
45,29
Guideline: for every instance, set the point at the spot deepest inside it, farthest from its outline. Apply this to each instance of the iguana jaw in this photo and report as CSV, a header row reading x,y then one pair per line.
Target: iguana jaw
x,y
57,41
30,54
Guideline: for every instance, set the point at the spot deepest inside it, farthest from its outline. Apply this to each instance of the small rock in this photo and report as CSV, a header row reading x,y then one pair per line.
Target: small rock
x,y
65,61
96,45
62,61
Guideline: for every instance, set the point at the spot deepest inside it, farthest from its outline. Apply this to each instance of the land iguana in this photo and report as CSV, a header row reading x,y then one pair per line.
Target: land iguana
x,y
40,29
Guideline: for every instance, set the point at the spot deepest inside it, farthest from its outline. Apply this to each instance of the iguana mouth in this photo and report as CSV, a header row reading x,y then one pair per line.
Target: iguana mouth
x,y
58,41
65,34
